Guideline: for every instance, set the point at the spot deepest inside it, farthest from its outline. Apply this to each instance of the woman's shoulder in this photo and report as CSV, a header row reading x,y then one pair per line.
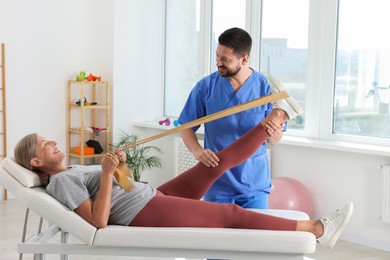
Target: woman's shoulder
x,y
72,176
76,172
65,174
72,169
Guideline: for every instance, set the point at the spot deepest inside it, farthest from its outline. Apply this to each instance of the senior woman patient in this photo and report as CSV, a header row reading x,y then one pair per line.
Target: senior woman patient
x,y
94,194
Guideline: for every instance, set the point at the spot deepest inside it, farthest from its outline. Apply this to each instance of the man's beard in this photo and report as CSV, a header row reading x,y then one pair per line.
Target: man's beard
x,y
229,72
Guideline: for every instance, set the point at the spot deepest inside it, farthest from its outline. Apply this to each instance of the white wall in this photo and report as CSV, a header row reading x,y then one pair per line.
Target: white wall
x,y
49,42
138,53
335,177
138,59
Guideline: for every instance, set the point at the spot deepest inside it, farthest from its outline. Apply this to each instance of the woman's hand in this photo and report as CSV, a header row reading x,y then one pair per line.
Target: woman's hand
x,y
109,164
98,211
120,155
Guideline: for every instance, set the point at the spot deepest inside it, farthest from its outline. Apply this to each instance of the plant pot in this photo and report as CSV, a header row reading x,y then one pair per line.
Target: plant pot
x,y
383,108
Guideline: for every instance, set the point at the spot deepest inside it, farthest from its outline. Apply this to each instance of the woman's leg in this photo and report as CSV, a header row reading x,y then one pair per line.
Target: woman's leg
x,y
195,182
169,211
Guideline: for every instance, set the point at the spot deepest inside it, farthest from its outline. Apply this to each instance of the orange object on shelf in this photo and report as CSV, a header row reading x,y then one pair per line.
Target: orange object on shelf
x,y
87,150
93,78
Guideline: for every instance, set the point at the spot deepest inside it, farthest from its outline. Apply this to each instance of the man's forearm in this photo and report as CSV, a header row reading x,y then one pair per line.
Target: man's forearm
x,y
190,140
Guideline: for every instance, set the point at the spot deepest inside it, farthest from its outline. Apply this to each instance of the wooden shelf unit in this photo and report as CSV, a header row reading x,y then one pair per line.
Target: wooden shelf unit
x,y
78,130
3,131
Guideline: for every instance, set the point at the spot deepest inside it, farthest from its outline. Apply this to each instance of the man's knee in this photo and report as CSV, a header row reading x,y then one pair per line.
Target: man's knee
x,y
259,201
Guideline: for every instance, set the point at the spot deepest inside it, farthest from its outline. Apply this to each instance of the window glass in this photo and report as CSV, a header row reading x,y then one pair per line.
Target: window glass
x,y
362,83
226,14
284,41
182,53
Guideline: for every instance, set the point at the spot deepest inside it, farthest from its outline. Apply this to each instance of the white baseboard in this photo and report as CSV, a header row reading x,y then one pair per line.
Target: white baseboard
x,y
364,241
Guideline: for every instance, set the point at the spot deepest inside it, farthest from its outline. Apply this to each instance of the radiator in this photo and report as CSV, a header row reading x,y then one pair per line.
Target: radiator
x,y
386,193
183,159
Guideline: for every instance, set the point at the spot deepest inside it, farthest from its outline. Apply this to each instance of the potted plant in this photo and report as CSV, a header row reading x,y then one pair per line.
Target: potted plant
x,y
138,158
383,107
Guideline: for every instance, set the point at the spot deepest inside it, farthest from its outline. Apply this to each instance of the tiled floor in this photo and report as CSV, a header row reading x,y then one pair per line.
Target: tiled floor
x,y
12,217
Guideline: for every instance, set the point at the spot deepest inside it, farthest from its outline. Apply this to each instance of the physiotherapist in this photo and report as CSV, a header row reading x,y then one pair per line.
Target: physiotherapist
x,y
248,184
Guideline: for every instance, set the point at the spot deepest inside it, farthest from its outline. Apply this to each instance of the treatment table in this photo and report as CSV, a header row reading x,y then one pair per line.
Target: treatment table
x,y
221,243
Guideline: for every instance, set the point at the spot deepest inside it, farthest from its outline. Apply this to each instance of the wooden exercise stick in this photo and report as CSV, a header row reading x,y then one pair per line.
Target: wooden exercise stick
x,y
226,112
122,172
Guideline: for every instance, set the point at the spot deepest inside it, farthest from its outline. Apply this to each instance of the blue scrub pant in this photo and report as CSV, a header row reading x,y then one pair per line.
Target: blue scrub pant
x,y
257,201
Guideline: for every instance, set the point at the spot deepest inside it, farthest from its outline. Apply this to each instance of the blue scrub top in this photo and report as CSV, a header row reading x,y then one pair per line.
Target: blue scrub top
x,y
215,93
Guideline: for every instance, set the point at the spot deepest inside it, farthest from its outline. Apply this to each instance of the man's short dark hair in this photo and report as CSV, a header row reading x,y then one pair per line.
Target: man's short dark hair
x,y
237,39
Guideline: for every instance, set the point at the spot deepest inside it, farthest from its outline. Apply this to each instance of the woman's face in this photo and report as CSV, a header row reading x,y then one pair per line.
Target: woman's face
x,y
48,152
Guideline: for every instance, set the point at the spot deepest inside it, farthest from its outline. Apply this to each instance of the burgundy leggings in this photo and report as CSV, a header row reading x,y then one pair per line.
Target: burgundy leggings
x,y
178,204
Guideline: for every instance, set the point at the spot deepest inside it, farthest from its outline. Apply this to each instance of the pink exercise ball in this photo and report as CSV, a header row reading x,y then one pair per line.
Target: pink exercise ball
x,y
290,194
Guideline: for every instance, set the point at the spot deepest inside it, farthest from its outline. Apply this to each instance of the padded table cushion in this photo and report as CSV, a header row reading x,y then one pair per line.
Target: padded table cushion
x,y
24,176
207,238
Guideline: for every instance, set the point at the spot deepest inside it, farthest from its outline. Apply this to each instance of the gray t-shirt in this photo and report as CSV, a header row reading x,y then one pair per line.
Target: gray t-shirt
x,y
79,182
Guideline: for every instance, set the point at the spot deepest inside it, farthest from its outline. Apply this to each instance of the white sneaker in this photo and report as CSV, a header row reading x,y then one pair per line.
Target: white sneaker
x,y
334,224
288,105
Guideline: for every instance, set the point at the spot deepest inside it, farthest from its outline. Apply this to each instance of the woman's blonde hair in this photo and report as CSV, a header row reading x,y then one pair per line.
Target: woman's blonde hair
x,y
25,151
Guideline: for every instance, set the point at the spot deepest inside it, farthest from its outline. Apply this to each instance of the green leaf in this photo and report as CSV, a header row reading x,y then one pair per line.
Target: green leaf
x,y
138,158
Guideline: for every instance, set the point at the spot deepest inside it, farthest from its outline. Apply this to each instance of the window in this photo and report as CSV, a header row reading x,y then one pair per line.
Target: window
x,y
184,38
226,14
182,53
327,53
362,84
284,45
284,41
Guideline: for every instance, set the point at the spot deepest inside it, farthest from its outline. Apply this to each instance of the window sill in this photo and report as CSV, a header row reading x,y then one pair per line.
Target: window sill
x,y
302,141
337,145
156,125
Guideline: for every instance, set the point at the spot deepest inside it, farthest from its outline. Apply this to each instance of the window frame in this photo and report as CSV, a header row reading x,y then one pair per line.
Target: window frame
x,y
323,24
